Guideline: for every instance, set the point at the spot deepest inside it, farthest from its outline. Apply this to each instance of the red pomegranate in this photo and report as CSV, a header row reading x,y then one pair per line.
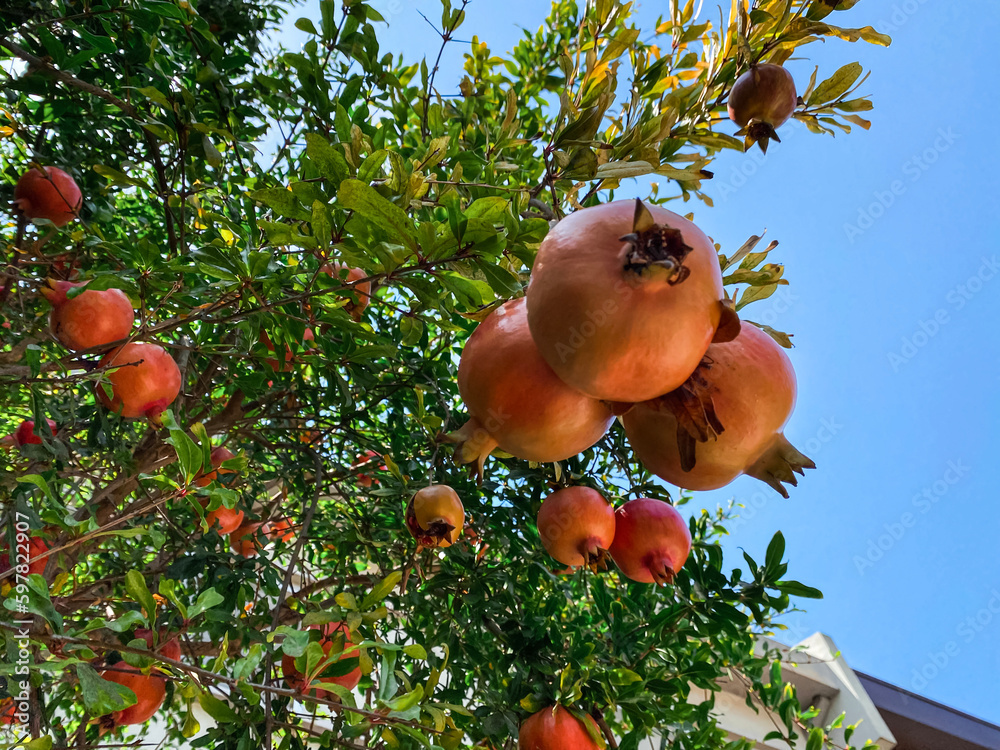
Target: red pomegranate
x,y
353,278
150,691
725,421
576,525
146,382
169,648
288,365
218,457
555,728
26,434
761,101
624,299
90,320
36,564
244,540
8,712
435,516
48,194
335,637
516,401
224,520
281,530
367,480
652,541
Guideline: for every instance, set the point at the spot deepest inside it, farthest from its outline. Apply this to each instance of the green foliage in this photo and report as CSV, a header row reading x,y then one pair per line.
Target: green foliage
x,y
219,182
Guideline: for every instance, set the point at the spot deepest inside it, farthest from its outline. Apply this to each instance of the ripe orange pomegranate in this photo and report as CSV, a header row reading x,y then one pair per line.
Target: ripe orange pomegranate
x,y
353,277
334,634
218,457
224,520
146,382
36,564
624,299
91,319
516,401
244,540
26,434
150,691
167,648
725,421
652,542
435,516
48,194
280,530
555,728
761,101
576,525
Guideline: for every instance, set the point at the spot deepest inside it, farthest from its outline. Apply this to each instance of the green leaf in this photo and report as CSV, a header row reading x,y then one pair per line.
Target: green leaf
x,y
189,454
836,85
379,212
775,551
794,588
329,160
816,737
217,709
206,601
135,584
381,590
100,696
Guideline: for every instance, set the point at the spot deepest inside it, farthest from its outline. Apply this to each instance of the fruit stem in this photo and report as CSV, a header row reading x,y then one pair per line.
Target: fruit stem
x,y
779,463
473,445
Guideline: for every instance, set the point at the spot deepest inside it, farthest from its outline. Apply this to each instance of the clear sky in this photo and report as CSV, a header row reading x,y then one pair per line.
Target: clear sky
x,y
891,240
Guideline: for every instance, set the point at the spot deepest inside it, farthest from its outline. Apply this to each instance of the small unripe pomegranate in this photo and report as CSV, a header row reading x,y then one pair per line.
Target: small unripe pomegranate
x,y
91,319
624,299
169,649
26,434
146,382
435,516
727,420
333,634
555,728
576,525
353,278
48,194
244,540
516,401
761,101
652,542
218,457
150,691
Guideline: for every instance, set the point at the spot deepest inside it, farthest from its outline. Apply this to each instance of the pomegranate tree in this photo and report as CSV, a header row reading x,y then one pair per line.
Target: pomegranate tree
x,y
652,541
556,728
48,193
516,401
576,525
761,101
336,637
243,541
150,691
725,421
146,382
624,299
435,516
91,319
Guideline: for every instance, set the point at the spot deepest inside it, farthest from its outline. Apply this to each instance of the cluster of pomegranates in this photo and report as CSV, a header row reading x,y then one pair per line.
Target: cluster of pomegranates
x,y
625,315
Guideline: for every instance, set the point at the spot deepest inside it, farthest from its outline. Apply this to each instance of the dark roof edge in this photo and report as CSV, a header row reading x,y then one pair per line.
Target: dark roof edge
x,y
924,699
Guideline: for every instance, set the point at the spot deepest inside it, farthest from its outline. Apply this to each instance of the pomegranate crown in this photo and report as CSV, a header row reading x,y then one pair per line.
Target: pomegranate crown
x,y
57,291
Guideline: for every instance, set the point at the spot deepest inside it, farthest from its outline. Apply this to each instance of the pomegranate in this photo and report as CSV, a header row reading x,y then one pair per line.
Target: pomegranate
x,y
169,649
26,434
244,540
353,279
150,691
651,541
36,564
761,101
8,712
146,382
516,401
334,634
725,421
624,299
576,525
435,516
274,364
367,480
224,520
280,530
90,320
48,194
218,457
555,728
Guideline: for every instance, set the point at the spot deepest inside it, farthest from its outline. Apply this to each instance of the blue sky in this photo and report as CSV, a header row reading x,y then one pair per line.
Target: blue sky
x,y
891,240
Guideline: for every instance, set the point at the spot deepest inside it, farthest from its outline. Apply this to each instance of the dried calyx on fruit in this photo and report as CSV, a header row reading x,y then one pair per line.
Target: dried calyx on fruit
x,y
761,101
652,541
516,401
435,516
90,319
577,526
624,299
725,421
